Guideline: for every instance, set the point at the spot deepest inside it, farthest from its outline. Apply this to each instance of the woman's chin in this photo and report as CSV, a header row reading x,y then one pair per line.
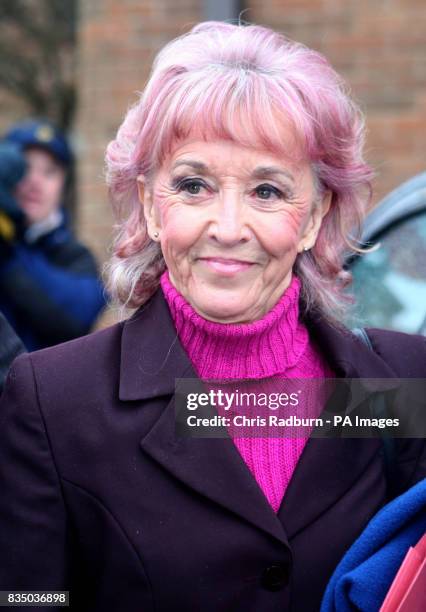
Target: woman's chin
x,y
223,307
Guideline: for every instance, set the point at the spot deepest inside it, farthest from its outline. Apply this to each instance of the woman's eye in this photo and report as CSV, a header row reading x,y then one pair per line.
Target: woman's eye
x,y
193,187
265,192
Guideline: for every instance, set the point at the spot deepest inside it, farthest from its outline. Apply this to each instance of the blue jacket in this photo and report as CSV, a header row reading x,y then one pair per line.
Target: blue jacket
x,y
49,289
365,574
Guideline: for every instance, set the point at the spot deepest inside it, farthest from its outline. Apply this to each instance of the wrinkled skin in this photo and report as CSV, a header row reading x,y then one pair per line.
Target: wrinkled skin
x,y
230,226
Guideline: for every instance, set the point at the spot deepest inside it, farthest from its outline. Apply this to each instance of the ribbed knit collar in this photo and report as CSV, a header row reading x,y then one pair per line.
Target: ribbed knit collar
x,y
264,348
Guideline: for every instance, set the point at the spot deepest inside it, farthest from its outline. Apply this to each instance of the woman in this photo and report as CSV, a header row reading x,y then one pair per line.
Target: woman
x,y
236,177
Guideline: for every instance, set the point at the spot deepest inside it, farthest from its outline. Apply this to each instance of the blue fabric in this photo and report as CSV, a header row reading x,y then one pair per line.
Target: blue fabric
x,y
81,297
365,574
50,290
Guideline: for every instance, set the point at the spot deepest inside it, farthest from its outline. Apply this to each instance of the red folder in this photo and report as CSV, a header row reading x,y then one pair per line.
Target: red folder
x,y
408,590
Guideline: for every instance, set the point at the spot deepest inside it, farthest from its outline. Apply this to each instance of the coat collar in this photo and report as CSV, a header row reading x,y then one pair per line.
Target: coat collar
x,y
152,358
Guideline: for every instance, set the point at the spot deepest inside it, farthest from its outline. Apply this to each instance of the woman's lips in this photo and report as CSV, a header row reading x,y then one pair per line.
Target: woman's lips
x,y
226,267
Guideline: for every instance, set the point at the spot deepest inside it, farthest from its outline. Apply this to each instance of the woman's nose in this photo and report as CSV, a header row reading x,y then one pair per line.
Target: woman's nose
x,y
229,224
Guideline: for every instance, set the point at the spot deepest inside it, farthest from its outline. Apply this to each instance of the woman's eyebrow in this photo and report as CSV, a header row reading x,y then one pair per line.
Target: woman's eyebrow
x,y
196,165
258,173
268,171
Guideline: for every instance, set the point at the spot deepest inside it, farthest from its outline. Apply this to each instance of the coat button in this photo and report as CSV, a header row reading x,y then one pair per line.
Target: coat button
x,y
275,577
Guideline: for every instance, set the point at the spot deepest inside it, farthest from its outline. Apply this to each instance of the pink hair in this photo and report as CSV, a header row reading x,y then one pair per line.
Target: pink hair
x,y
242,83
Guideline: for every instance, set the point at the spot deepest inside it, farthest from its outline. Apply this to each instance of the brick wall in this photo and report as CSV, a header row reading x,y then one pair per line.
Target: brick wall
x,y
379,46
117,43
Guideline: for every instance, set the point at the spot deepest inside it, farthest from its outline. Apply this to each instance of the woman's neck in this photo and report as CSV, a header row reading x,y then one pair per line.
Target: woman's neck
x,y
272,345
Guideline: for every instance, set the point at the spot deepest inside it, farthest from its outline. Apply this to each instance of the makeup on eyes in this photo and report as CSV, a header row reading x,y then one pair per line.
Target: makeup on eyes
x,y
283,190
269,188
180,183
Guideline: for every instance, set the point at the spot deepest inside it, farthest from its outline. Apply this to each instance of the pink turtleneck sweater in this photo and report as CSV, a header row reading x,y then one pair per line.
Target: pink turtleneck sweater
x,y
277,345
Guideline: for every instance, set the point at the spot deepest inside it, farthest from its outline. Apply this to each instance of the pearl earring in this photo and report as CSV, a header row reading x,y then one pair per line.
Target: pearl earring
x,y
156,234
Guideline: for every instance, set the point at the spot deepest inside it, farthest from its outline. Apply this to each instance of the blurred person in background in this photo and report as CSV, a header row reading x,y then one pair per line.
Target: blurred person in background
x,y
10,347
49,286
12,169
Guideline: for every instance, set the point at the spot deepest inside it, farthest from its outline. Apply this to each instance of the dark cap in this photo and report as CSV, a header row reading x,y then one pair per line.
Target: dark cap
x,y
12,169
42,134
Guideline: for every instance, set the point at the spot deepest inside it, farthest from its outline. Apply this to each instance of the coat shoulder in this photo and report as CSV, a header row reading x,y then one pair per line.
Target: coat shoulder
x,y
81,352
74,373
404,353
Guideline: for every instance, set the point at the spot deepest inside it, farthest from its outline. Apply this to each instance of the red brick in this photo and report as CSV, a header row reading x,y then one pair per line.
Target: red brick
x,y
380,48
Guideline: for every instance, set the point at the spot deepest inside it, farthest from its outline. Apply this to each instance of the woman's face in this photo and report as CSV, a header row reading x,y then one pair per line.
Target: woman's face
x,y
231,221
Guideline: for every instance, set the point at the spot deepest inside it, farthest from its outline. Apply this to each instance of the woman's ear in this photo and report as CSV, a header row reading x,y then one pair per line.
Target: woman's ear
x,y
319,210
150,214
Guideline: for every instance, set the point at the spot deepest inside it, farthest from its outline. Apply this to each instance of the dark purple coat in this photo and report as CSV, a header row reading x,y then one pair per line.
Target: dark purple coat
x,y
98,497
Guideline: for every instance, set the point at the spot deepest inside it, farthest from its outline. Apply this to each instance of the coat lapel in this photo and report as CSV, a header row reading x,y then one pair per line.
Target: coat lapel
x,y
152,358
329,467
